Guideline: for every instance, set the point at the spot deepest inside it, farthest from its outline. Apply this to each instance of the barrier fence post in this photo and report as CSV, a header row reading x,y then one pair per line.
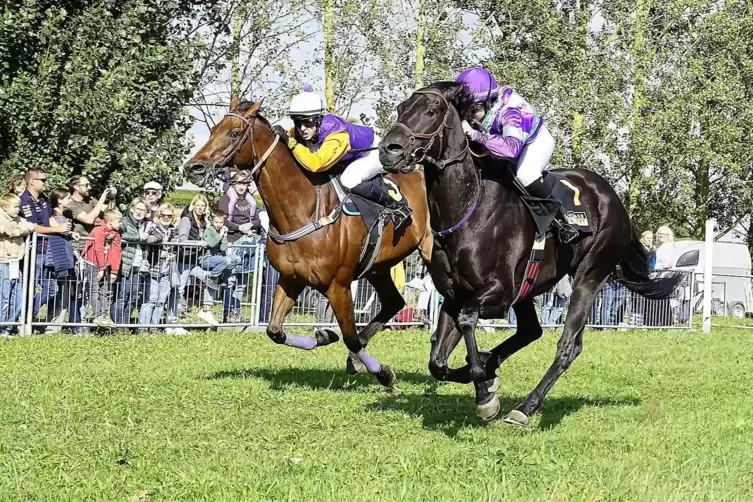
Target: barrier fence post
x,y
30,285
258,291
707,272
22,327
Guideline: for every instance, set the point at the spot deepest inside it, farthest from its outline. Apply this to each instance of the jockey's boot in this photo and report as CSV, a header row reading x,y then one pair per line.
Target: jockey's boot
x,y
399,209
543,188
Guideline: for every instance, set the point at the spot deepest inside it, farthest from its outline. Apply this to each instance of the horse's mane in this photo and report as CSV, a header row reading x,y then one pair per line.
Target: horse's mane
x,y
458,95
245,105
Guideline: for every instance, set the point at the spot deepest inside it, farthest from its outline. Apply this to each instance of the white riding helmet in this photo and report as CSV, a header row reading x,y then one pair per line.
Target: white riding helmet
x,y
306,104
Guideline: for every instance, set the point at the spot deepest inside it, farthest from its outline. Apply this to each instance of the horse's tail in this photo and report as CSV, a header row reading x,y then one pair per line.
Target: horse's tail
x,y
633,271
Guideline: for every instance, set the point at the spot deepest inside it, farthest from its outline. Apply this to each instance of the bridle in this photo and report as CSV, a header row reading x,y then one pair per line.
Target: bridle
x,y
246,135
441,164
439,132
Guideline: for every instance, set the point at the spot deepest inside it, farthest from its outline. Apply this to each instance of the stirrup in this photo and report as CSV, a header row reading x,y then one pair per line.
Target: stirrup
x,y
567,233
400,216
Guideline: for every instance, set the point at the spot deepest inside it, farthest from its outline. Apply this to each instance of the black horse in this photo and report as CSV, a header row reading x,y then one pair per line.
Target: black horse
x,y
484,236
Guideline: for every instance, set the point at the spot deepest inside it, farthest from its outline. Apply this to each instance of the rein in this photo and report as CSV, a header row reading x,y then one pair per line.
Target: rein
x,y
310,227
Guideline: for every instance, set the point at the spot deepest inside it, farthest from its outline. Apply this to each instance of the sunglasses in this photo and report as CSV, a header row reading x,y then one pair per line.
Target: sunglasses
x,y
166,216
307,123
152,192
43,180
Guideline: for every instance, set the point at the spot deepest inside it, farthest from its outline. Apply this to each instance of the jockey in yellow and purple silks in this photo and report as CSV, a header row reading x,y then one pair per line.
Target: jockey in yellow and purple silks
x,y
320,141
512,129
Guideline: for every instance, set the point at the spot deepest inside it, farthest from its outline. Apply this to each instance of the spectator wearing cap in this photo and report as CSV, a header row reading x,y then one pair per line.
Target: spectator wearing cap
x,y
153,197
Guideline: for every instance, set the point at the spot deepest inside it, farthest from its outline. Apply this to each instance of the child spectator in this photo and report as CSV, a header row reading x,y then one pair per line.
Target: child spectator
x,y
105,252
217,262
17,185
13,230
60,258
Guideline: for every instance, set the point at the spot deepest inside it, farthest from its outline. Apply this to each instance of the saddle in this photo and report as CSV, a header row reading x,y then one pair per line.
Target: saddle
x,y
374,216
565,216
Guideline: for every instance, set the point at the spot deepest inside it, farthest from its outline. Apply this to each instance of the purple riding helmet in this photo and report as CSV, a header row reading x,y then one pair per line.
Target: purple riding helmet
x,y
510,121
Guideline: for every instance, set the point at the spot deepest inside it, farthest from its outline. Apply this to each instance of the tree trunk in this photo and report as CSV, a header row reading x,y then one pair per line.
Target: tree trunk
x,y
329,52
420,44
639,58
235,53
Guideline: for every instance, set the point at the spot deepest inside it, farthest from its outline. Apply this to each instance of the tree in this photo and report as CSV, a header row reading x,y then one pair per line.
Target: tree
x,y
260,55
99,87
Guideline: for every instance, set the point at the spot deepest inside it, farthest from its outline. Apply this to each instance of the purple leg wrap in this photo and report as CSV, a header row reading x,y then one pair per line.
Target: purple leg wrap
x,y
372,365
301,342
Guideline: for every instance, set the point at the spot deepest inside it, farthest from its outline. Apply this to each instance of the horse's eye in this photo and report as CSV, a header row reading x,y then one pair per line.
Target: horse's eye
x,y
234,134
432,113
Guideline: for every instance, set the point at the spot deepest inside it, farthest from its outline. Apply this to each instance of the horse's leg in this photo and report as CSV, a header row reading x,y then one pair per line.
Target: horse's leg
x,y
487,403
585,287
443,343
528,330
342,304
286,294
392,303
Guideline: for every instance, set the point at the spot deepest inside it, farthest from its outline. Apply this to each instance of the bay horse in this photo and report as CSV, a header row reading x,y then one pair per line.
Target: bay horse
x,y
486,234
327,258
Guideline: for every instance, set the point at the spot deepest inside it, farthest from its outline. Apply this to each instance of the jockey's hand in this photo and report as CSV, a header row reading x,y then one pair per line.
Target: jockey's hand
x,y
467,129
281,132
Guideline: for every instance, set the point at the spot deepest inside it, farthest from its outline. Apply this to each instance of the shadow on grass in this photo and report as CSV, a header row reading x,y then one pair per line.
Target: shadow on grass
x,y
321,379
447,413
451,413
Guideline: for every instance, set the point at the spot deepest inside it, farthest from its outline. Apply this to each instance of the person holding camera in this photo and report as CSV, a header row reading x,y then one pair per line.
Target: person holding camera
x,y
85,211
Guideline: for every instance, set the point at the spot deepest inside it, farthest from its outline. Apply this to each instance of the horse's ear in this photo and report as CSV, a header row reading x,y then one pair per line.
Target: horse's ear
x,y
234,103
255,107
453,92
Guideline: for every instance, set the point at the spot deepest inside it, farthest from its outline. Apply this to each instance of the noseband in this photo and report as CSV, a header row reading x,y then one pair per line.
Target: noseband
x,y
439,132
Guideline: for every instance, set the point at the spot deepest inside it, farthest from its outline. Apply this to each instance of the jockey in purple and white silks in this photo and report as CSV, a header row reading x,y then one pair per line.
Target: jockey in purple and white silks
x,y
320,141
512,129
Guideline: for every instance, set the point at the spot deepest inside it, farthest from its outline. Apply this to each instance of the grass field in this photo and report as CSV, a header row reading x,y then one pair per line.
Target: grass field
x,y
640,416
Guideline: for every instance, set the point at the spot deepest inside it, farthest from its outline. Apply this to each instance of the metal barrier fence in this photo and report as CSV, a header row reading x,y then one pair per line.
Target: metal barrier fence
x,y
179,285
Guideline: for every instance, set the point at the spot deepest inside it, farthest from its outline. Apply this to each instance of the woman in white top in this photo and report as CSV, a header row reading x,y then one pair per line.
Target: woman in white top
x,y
665,249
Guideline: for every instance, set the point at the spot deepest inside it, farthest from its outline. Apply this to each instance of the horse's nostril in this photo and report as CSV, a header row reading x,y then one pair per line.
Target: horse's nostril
x,y
395,149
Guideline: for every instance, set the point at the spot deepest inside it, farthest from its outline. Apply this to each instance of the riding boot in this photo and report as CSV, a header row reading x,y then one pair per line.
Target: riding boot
x,y
399,209
543,188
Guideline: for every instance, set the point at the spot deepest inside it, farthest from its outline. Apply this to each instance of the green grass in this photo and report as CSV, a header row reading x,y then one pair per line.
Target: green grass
x,y
639,416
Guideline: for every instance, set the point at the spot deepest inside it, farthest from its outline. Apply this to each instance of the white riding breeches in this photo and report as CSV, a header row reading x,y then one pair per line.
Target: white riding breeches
x,y
362,169
535,157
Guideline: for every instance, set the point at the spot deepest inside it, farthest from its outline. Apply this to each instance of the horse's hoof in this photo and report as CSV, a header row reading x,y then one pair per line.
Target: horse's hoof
x,y
386,377
517,417
325,337
489,410
492,386
353,365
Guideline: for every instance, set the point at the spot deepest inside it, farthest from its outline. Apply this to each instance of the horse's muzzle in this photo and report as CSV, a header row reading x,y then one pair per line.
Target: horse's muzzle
x,y
196,172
